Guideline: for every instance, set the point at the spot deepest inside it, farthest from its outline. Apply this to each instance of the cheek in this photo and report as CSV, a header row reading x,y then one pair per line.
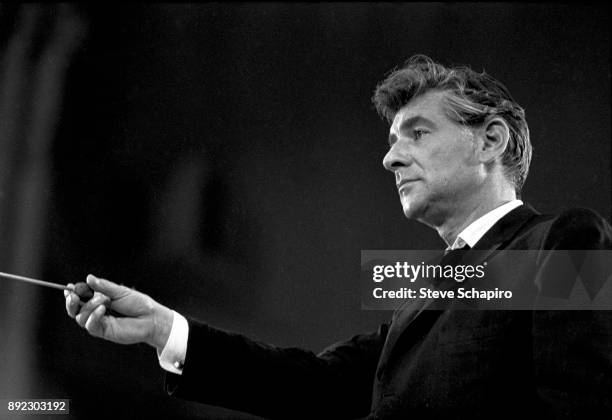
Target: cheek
x,y
449,158
453,170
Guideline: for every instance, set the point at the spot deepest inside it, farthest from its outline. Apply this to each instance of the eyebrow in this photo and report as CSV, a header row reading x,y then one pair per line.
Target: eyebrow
x,y
409,123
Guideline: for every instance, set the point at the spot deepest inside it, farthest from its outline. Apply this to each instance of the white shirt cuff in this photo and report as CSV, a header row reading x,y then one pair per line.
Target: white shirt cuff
x,y
173,354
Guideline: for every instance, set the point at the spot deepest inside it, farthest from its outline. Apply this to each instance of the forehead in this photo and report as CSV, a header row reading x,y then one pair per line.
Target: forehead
x,y
430,105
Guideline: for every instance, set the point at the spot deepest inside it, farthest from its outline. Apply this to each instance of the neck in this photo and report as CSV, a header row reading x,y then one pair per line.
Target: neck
x,y
470,211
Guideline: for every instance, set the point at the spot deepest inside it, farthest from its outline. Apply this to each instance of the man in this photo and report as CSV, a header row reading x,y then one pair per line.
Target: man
x,y
460,153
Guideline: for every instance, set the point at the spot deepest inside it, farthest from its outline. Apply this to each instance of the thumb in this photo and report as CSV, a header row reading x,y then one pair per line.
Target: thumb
x,y
110,289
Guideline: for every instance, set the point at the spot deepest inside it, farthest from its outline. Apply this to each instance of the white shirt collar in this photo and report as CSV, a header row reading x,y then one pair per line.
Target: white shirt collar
x,y
476,230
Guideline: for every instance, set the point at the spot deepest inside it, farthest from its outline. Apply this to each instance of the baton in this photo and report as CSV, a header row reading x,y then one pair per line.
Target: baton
x,y
81,288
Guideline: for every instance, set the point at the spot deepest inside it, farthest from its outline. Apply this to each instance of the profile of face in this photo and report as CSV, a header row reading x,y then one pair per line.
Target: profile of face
x,y
434,159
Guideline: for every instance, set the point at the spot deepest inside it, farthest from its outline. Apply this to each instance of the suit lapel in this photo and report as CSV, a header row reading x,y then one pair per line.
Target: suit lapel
x,y
502,233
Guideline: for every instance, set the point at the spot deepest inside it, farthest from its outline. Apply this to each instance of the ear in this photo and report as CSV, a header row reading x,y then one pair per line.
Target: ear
x,y
495,136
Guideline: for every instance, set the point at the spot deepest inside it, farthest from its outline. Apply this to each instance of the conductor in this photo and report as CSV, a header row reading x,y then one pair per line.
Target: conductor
x,y
459,152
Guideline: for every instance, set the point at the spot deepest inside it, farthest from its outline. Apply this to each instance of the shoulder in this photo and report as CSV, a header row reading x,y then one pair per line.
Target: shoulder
x,y
578,228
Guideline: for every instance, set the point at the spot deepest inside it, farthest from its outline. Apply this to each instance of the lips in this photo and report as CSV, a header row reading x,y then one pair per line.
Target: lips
x,y
404,182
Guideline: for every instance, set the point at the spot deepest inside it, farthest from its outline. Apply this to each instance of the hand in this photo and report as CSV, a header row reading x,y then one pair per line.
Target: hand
x,y
142,319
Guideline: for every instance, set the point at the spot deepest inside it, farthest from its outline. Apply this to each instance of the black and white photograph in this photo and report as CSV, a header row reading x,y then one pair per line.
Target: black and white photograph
x,y
261,211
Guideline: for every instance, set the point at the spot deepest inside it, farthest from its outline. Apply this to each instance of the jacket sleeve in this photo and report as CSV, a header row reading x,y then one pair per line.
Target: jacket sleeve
x,y
230,370
572,349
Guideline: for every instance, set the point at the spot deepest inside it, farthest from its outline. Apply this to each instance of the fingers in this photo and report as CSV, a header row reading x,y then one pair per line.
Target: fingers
x,y
91,314
110,289
95,324
104,292
86,310
73,302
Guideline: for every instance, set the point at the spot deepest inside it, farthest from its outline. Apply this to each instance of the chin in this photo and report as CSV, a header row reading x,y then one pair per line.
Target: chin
x,y
410,209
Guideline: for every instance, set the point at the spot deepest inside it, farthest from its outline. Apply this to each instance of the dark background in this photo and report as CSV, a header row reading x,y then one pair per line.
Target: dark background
x,y
226,159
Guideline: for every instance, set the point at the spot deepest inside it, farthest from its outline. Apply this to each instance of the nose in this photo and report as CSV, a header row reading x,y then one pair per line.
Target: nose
x,y
396,158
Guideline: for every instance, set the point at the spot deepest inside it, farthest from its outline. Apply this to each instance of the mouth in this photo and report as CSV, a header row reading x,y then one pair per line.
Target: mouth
x,y
405,183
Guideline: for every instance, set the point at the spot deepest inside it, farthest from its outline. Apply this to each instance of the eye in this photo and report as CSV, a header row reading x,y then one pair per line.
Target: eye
x,y
418,133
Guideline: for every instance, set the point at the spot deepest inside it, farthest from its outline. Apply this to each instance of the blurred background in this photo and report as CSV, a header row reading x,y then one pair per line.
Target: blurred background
x,y
226,160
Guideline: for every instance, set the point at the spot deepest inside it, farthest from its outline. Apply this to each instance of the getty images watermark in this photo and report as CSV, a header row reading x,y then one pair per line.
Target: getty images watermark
x,y
487,280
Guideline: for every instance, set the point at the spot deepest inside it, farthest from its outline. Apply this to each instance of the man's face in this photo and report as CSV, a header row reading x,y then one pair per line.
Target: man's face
x,y
433,159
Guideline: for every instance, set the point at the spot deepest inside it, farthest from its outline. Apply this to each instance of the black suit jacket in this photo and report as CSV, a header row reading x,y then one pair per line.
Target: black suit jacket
x,y
428,364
